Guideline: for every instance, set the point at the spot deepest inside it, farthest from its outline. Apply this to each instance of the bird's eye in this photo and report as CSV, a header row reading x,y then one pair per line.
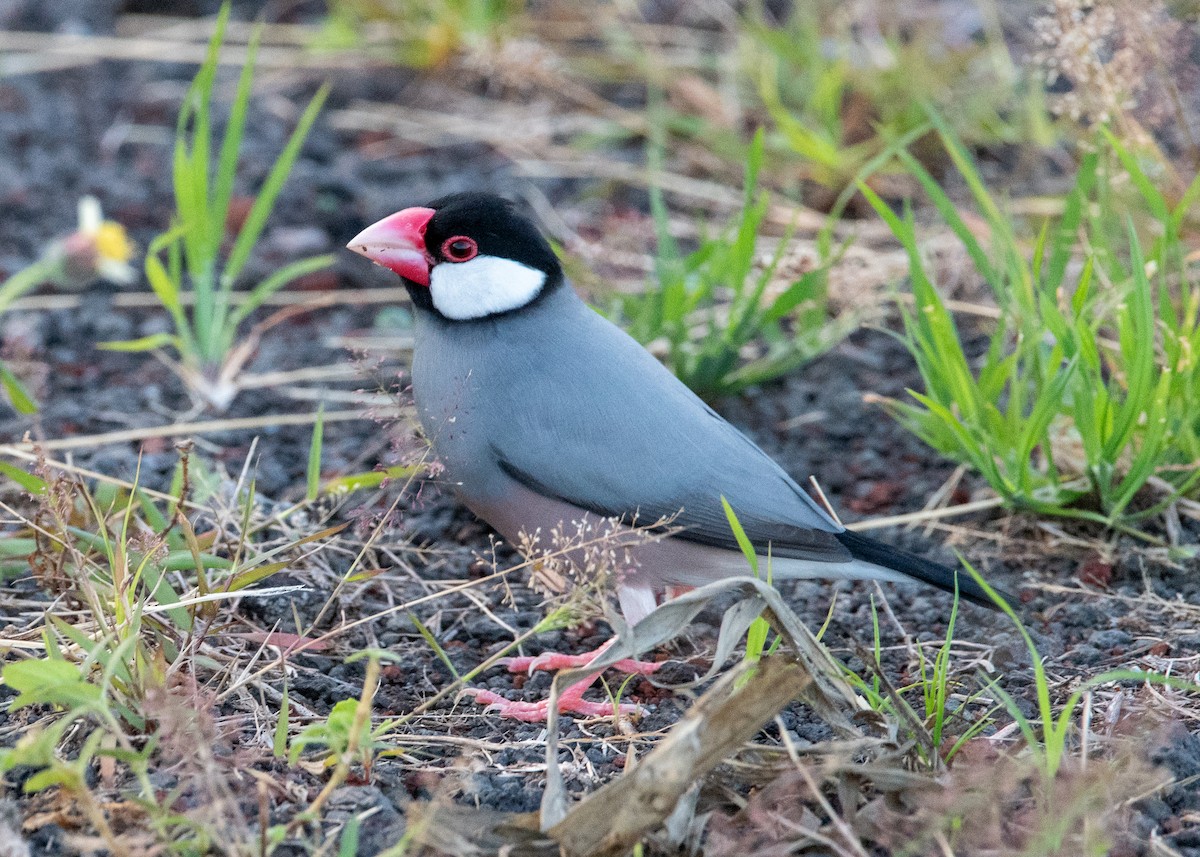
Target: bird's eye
x,y
460,248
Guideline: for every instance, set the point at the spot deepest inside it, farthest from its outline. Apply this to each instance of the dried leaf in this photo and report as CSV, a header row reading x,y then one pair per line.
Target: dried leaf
x,y
609,822
828,694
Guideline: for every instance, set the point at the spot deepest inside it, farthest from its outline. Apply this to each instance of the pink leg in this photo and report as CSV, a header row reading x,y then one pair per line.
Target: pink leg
x,y
637,602
571,700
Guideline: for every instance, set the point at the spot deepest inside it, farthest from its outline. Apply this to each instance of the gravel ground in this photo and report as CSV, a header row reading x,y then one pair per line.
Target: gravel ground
x,y
104,129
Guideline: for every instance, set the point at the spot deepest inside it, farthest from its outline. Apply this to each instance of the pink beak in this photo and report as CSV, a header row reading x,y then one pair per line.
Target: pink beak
x,y
398,243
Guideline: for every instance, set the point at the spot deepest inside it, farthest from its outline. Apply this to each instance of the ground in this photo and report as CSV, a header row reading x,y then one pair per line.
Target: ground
x,y
1092,602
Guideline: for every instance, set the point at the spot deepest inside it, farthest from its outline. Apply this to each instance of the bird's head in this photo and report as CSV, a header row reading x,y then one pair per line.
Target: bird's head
x,y
466,256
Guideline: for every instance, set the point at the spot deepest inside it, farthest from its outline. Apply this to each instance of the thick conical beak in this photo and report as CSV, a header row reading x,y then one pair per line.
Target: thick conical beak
x,y
398,243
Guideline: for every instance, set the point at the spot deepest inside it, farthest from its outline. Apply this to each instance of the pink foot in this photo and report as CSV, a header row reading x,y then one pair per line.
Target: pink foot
x,y
570,701
557,661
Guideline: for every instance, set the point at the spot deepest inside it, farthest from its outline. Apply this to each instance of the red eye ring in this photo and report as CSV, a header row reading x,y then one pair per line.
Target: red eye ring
x,y
459,248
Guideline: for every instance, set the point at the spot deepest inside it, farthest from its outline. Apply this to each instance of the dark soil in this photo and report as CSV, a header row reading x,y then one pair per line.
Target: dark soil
x,y
67,133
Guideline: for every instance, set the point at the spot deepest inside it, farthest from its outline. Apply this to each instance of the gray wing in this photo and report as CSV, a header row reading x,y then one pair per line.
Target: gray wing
x,y
604,426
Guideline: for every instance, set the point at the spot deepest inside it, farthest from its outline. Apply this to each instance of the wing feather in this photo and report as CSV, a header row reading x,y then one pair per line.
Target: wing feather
x,y
649,448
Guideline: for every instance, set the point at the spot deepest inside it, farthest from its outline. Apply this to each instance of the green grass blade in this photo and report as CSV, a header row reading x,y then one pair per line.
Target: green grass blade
x,y
144,343
32,484
263,291
1136,336
949,213
434,644
231,143
192,171
1065,235
256,220
19,397
23,281
1150,451
966,167
279,741
1187,202
313,474
1036,424
739,534
1145,186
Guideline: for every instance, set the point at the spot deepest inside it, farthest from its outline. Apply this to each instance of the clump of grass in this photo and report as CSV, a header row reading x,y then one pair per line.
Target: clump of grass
x,y
840,87
138,589
938,725
1087,395
712,305
419,33
1048,737
203,174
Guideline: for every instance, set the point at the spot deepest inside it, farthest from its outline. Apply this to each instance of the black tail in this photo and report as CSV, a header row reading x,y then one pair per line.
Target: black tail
x,y
919,568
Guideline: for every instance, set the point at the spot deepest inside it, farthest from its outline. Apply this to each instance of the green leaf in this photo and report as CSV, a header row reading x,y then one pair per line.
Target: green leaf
x,y
183,560
50,682
1038,421
1145,186
815,144
1187,202
168,288
966,167
22,400
156,519
12,546
368,479
144,343
808,287
158,584
25,280
348,841
333,734
53,776
1066,235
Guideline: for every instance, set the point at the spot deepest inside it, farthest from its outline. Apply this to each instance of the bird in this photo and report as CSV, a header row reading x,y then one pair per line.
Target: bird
x,y
544,413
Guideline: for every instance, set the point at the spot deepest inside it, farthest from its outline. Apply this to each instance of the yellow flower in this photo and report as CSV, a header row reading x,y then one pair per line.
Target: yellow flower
x,y
102,246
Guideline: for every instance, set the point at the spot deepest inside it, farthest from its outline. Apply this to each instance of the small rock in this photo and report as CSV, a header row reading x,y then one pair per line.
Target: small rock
x,y
1086,654
1113,638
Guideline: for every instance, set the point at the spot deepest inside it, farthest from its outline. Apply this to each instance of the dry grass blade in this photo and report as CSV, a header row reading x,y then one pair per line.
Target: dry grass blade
x,y
137,300
13,44
926,515
611,821
156,26
18,450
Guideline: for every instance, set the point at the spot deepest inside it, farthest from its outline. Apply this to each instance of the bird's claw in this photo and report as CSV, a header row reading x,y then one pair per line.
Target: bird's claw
x,y
569,702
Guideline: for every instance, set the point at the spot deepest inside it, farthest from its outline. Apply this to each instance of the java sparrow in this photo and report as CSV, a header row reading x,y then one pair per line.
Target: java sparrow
x,y
543,412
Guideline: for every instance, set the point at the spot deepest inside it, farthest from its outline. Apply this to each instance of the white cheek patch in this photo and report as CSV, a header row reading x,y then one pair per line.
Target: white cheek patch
x,y
483,286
